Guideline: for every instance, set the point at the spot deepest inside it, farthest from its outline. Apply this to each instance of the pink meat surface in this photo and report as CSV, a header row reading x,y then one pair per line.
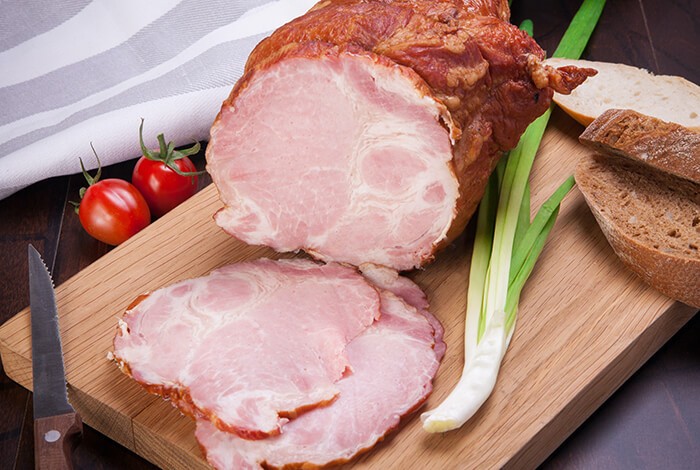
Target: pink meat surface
x,y
390,280
393,362
358,170
250,344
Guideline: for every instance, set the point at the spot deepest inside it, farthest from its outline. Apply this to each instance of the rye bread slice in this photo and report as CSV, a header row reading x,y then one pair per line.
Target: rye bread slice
x,y
651,219
665,145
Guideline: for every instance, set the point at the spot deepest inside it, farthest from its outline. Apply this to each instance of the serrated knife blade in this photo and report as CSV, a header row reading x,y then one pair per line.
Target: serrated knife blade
x,y
56,424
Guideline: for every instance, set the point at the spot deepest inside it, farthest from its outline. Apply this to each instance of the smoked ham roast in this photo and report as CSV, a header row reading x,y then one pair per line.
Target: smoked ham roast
x,y
365,130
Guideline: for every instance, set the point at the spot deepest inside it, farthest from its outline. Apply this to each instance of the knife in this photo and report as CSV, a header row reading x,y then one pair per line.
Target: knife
x,y
56,424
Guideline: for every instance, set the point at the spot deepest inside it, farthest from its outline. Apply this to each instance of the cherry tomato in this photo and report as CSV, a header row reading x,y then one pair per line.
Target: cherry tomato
x,y
165,177
162,188
113,210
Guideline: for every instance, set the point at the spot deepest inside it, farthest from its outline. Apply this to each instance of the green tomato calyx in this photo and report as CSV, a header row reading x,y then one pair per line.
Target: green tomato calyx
x,y
167,153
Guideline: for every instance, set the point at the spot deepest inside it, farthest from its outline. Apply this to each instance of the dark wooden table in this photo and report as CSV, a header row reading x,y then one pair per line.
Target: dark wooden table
x,y
652,421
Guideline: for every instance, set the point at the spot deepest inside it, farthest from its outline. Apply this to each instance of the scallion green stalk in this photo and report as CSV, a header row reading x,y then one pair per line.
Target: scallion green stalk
x,y
528,27
506,247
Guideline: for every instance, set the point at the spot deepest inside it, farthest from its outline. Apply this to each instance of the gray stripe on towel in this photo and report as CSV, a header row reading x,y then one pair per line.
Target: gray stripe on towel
x,y
219,66
21,20
156,43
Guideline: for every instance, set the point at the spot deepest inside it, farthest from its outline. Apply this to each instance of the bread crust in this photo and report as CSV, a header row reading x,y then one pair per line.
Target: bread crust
x,y
666,146
646,250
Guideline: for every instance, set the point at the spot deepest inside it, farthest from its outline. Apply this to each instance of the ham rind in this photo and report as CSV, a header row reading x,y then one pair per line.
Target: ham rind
x,y
359,170
393,361
251,344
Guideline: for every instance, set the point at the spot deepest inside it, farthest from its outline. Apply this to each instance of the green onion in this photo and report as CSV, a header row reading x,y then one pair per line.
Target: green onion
x,y
580,29
506,247
528,27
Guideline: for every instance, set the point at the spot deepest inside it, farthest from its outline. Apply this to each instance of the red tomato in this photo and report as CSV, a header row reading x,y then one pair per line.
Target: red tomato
x,y
165,177
113,210
162,188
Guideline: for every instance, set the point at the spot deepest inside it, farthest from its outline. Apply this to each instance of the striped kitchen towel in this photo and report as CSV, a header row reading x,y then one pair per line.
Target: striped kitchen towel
x,y
81,71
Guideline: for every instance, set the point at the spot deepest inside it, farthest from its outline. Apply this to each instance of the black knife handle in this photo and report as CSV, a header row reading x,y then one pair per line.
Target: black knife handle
x,y
55,437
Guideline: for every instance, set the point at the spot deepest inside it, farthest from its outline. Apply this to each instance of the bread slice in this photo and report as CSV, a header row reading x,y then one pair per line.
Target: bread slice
x,y
651,219
664,145
670,98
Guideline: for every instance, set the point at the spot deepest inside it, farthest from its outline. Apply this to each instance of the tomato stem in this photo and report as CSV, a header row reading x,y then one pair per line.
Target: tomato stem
x,y
167,154
76,206
90,179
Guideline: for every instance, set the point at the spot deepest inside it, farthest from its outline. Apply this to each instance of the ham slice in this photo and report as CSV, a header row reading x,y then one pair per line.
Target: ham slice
x,y
393,362
365,131
401,286
250,345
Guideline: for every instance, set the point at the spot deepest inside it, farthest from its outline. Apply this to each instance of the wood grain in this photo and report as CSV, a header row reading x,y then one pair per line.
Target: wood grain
x,y
585,325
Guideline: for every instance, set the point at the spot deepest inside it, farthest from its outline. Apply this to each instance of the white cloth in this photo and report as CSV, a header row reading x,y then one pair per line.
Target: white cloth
x,y
81,71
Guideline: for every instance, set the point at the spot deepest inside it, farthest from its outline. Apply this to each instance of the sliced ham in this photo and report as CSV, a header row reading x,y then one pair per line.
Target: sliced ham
x,y
393,362
251,344
401,286
365,131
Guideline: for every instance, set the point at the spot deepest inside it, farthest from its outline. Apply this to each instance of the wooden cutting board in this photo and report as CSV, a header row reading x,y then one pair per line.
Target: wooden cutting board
x,y
585,325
